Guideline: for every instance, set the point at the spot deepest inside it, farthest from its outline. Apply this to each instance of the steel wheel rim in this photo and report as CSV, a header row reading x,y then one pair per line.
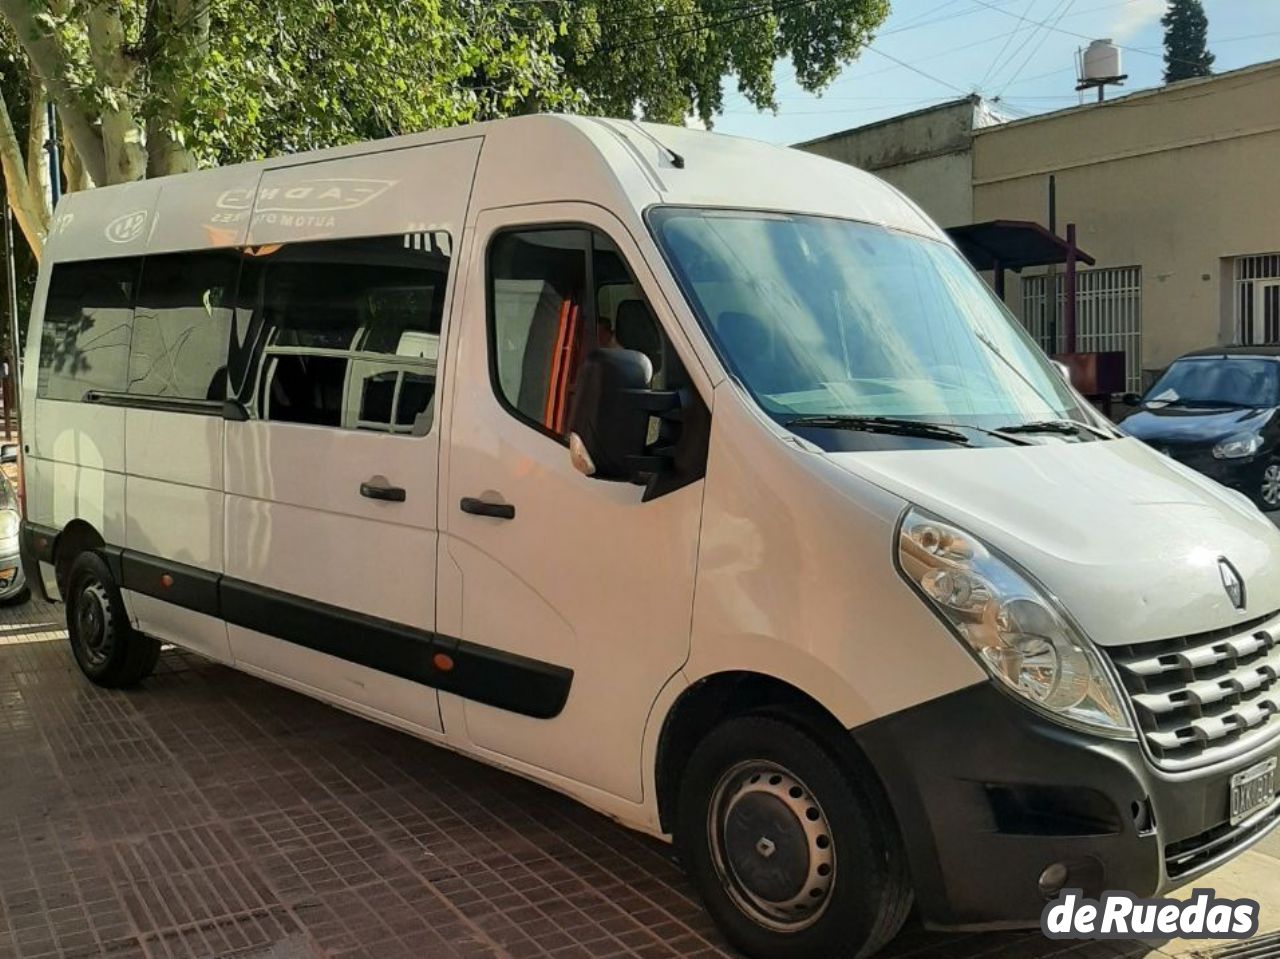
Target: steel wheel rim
x,y
1271,484
91,623
759,810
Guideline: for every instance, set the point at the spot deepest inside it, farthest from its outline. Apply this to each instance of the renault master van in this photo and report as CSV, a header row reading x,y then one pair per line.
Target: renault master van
x,y
699,479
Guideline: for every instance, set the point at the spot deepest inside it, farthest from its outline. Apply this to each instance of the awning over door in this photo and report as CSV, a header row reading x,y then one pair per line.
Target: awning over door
x,y
1011,245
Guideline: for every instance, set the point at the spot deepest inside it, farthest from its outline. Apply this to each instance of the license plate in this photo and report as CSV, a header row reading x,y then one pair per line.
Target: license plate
x,y
1252,790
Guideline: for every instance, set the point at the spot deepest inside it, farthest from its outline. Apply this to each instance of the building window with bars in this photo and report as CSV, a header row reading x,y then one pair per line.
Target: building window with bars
x,y
1108,314
1257,299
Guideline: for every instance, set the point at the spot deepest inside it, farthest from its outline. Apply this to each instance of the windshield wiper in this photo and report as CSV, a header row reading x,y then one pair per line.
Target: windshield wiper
x,y
884,424
1067,427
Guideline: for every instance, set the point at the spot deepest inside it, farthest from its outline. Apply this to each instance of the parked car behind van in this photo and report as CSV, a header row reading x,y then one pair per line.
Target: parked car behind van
x,y
700,479
1215,411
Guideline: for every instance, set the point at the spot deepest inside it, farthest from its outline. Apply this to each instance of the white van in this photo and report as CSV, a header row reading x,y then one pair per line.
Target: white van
x,y
699,479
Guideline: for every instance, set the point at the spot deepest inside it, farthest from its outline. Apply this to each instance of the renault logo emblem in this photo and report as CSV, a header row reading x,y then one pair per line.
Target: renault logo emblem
x,y
1232,583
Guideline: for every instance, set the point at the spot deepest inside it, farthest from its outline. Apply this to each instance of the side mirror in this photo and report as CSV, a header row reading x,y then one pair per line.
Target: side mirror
x,y
1063,370
609,423
1131,399
9,453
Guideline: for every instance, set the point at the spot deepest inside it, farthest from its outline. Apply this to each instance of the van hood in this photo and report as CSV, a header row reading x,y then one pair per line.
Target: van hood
x,y
1127,539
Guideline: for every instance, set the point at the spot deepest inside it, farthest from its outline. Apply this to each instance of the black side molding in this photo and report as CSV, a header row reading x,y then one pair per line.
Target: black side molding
x,y
491,676
35,546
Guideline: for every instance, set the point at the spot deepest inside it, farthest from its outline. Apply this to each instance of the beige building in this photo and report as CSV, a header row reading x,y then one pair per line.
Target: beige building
x,y
1176,194
926,154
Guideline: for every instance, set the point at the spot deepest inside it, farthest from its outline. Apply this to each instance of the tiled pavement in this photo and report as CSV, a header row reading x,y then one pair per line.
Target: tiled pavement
x,y
210,814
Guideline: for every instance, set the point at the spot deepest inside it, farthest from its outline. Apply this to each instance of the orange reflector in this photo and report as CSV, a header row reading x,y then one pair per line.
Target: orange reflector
x,y
442,662
166,580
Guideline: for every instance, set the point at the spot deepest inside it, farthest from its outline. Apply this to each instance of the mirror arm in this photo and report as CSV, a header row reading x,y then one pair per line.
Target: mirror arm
x,y
655,401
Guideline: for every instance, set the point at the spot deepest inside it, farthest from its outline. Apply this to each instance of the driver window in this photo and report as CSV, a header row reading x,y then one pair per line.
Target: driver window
x,y
555,294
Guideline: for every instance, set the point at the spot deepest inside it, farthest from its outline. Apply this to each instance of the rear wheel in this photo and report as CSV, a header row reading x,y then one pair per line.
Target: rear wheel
x,y
792,850
107,647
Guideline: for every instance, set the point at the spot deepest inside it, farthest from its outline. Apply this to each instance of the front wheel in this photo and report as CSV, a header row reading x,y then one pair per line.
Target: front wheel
x,y
1269,487
793,852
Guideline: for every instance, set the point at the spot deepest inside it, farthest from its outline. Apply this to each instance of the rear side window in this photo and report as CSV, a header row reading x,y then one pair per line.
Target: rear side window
x,y
181,324
88,321
342,333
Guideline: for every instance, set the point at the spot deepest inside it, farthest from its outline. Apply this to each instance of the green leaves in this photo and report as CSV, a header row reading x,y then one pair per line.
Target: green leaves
x,y
231,80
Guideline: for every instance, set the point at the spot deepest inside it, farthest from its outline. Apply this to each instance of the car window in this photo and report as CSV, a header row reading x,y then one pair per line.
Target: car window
x,y
555,294
1218,381
342,333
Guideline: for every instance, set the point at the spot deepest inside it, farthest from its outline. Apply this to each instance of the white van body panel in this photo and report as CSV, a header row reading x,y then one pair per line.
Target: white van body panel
x,y
1060,509
801,586
306,530
615,605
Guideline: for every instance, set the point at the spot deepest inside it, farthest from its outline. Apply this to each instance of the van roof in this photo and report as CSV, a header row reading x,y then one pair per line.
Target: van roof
x,y
622,166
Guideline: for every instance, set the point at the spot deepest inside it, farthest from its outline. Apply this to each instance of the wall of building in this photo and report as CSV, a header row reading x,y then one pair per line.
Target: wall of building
x,y
1178,181
925,154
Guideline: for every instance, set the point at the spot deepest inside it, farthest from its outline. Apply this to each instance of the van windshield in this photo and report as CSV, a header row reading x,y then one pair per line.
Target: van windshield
x,y
825,317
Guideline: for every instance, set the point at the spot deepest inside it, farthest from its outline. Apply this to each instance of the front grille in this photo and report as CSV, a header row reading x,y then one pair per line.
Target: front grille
x,y
1204,698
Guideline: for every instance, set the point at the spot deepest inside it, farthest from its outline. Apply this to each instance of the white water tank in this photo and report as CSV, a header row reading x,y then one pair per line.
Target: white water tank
x,y
1101,62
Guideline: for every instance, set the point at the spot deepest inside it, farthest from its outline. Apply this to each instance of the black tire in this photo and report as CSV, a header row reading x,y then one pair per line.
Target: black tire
x,y
107,647
17,599
861,907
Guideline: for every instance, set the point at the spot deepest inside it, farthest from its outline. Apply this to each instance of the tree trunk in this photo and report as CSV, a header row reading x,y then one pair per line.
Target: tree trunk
x,y
32,220
38,184
122,139
165,155
49,62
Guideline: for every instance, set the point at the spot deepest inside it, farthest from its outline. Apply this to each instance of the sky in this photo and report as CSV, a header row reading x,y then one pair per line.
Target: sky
x,y
930,51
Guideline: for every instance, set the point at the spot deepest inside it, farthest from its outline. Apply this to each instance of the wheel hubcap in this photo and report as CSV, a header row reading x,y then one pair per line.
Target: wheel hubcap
x,y
772,845
91,622
1271,485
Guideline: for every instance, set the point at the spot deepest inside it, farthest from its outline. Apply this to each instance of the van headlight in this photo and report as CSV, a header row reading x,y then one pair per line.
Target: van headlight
x,y
1234,447
1020,635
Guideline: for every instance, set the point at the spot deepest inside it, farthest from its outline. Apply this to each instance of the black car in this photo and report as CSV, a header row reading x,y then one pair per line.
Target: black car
x,y
1215,411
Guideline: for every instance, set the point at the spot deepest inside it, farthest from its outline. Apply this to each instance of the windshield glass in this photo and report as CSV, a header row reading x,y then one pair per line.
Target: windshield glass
x,y
818,316
1218,381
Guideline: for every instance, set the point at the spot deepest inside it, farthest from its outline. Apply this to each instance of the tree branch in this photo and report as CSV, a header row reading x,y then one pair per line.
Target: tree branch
x,y
48,61
37,155
16,186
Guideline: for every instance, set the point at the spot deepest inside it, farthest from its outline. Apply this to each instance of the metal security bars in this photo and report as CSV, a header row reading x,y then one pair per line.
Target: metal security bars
x,y
1108,314
1257,299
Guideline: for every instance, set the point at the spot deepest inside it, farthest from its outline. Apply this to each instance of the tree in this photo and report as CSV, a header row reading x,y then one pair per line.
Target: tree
x,y
666,60
152,87
1185,36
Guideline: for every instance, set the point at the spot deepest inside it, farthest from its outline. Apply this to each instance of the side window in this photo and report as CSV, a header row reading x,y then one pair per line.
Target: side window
x,y
538,286
554,294
341,333
180,325
88,318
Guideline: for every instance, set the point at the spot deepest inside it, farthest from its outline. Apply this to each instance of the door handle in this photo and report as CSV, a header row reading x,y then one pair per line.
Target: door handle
x,y
479,507
392,494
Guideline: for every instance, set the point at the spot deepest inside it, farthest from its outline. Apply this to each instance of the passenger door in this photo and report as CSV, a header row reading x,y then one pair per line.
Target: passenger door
x,y
572,598
331,477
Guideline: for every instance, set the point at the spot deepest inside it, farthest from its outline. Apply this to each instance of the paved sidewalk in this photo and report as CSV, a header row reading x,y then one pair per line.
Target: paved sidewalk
x,y
210,814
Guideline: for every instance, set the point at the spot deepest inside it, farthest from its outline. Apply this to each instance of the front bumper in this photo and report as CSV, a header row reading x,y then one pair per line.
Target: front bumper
x,y
988,793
